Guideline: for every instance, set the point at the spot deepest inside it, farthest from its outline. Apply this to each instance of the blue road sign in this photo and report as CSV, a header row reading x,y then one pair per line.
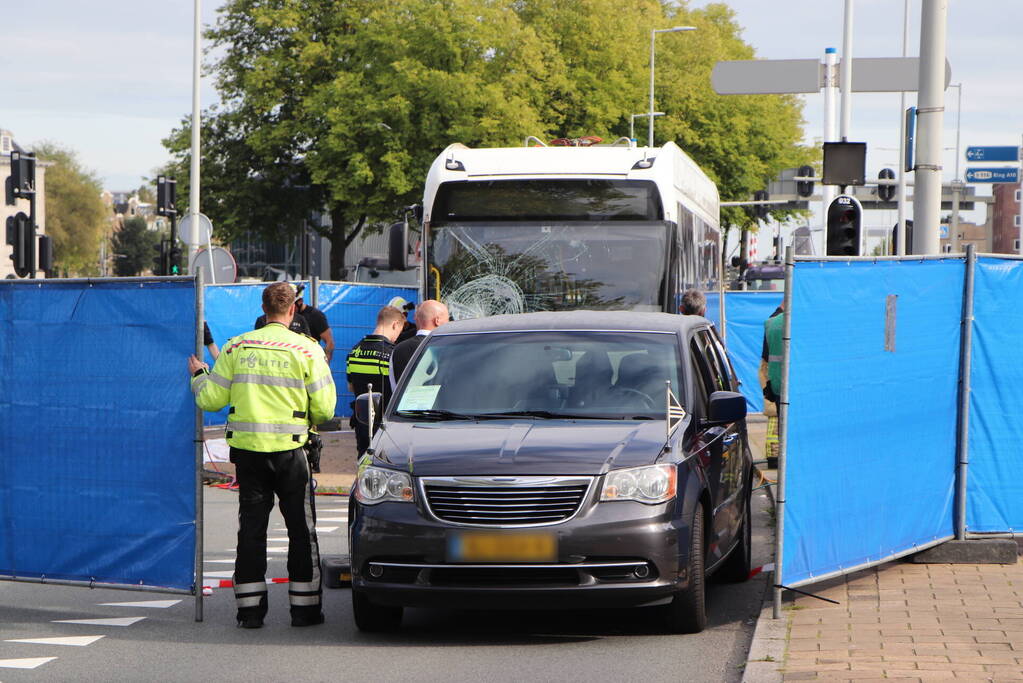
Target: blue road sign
x,y
1005,153
992,174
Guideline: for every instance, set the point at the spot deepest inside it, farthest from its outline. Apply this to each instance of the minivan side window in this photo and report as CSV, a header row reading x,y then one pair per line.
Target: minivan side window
x,y
721,375
701,378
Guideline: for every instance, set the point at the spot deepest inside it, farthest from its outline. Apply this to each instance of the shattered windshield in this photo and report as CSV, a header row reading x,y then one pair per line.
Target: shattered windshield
x,y
520,267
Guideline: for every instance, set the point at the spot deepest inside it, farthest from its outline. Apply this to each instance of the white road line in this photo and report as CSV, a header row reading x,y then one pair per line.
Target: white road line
x,y
30,663
219,561
278,539
325,529
343,511
116,621
277,550
218,575
157,604
76,641
333,519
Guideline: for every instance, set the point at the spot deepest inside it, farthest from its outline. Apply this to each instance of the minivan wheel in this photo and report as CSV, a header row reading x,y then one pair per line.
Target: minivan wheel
x,y
687,611
374,618
737,567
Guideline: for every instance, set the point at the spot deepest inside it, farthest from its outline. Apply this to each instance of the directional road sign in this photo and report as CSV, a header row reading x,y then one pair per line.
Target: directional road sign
x,y
1006,153
992,174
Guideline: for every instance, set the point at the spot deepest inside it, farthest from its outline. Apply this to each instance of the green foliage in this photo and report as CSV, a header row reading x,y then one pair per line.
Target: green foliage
x,y
76,218
344,104
133,247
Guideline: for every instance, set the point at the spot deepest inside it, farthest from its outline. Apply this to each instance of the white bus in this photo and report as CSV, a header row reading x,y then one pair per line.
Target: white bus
x,y
549,228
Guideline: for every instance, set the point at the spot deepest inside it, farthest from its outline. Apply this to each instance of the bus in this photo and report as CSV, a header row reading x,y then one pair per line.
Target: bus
x,y
553,228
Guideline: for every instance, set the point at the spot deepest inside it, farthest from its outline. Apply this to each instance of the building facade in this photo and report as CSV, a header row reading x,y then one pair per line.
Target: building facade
x,y
1006,218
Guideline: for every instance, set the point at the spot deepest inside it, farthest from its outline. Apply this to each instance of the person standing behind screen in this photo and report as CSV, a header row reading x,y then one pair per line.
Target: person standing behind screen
x,y
319,328
278,384
430,315
369,362
693,303
207,341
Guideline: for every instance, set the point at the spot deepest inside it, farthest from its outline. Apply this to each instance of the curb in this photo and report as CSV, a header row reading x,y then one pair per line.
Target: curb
x,y
766,656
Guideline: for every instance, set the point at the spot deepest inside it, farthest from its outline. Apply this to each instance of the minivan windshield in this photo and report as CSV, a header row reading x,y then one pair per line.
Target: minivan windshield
x,y
542,375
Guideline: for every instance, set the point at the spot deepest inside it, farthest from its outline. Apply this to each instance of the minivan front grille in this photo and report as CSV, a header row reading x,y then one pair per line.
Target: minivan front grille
x,y
526,501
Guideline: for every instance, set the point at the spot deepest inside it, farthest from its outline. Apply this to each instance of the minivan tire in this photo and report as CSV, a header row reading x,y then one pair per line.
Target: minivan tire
x,y
373,618
687,611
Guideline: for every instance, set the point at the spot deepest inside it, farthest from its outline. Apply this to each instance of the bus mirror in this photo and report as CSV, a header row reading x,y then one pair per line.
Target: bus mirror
x,y
417,211
397,246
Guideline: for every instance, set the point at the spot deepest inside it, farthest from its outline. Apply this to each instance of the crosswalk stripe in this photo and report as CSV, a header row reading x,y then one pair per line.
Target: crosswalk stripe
x,y
333,519
218,575
30,663
219,561
156,604
76,641
115,621
325,529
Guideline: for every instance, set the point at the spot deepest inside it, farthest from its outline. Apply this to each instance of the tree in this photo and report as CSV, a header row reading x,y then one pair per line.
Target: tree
x,y
133,247
75,215
343,104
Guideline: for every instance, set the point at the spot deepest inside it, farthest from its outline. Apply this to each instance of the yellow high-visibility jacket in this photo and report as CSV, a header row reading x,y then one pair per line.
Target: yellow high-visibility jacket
x,y
277,383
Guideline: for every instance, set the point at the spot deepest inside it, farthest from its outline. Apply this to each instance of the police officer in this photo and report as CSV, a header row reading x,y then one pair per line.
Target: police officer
x,y
770,380
369,363
277,383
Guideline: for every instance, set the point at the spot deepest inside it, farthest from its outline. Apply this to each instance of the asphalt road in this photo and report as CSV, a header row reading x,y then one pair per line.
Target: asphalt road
x,y
168,645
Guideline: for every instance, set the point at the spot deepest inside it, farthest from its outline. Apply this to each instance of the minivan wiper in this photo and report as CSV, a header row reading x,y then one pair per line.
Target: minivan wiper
x,y
546,414
434,414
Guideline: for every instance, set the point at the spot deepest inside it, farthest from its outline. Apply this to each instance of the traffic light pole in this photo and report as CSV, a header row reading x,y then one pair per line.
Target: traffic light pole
x,y
32,231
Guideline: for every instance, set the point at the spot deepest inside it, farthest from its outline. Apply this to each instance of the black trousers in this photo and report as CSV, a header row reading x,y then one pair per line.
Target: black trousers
x,y
260,476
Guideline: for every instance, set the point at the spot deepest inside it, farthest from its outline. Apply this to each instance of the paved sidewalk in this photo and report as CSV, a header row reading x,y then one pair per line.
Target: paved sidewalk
x,y
903,621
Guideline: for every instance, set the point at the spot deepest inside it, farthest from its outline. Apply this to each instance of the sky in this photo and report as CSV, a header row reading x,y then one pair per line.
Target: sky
x,y
111,78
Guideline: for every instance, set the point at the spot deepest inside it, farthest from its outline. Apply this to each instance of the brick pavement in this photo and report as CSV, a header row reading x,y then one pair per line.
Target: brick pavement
x,y
909,622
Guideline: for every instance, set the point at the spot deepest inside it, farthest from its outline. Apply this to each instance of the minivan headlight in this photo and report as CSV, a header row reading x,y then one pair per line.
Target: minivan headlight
x,y
377,485
650,484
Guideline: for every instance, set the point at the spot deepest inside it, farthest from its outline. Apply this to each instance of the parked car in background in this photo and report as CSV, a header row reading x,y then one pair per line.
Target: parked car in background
x,y
530,461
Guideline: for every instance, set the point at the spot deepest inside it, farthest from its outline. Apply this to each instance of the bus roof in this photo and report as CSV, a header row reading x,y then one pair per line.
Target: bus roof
x,y
461,163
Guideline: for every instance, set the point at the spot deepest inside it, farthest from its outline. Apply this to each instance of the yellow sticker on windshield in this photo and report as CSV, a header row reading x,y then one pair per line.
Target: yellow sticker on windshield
x,y
419,398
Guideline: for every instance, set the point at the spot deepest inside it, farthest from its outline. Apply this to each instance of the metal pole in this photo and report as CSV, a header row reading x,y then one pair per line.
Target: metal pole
x,y
783,429
650,120
847,62
314,296
828,192
193,176
930,112
953,227
963,418
200,319
721,289
900,230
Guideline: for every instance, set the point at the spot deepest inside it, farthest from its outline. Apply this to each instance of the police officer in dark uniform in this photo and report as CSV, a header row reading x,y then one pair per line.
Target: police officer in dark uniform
x,y
369,363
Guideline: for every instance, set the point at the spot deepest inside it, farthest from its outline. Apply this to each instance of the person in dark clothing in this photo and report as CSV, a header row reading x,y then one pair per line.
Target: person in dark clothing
x,y
369,362
409,329
207,341
430,315
693,303
298,324
319,328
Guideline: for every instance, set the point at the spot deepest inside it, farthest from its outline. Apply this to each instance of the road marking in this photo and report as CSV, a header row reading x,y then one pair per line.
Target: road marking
x,y
278,539
76,641
325,529
219,561
333,519
218,575
115,621
277,550
30,663
157,604
343,511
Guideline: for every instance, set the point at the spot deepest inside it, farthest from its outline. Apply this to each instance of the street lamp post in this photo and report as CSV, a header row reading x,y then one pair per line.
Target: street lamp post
x,y
953,228
653,34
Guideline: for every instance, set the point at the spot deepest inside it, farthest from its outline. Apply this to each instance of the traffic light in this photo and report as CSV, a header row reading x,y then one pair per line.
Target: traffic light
x,y
46,254
909,238
804,188
20,236
23,174
886,192
174,261
160,260
760,210
843,229
166,195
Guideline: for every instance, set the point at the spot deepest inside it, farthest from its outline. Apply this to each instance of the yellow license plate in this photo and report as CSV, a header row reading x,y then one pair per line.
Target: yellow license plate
x,y
503,547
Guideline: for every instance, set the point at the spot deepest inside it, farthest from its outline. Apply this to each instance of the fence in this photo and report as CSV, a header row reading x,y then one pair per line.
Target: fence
x,y
99,475
899,430
351,310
